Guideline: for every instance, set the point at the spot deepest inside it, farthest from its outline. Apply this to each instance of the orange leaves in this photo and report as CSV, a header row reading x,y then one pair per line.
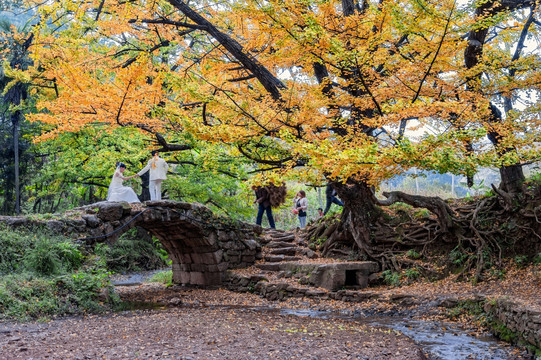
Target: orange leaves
x,y
357,84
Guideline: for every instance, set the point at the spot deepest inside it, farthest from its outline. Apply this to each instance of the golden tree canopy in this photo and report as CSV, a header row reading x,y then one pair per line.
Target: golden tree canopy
x,y
337,89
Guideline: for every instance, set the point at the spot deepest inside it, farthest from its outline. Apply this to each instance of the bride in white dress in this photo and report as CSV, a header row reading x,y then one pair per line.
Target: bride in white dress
x,y
118,192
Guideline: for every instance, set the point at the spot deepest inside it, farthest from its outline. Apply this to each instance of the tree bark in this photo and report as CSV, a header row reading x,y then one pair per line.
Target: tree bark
x,y
512,176
435,204
359,212
15,121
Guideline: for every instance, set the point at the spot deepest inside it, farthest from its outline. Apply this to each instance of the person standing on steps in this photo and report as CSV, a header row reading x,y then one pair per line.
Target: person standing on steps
x,y
300,207
330,194
262,198
158,173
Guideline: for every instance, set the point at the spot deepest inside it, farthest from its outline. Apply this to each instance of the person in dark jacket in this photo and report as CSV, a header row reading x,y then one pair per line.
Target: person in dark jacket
x,y
262,197
330,194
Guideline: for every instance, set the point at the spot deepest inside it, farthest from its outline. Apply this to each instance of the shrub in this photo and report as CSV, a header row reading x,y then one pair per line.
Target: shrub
x,y
412,273
50,256
13,243
413,254
25,296
45,275
391,278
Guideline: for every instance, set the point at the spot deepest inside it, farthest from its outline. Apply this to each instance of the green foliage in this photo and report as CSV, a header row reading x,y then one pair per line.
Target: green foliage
x,y
412,273
133,251
534,180
43,259
37,251
44,275
391,278
458,256
421,213
400,206
470,308
503,332
26,296
13,244
413,254
164,277
537,259
49,257
521,260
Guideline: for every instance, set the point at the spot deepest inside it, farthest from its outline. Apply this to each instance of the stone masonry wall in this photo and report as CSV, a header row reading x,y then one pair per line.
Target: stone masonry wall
x,y
523,322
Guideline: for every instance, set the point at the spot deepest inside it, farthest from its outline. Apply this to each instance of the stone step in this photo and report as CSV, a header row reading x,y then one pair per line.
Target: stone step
x,y
293,250
264,240
275,232
268,266
280,258
278,244
287,237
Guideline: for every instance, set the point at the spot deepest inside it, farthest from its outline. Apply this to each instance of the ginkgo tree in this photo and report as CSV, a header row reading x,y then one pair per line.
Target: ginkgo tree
x,y
347,92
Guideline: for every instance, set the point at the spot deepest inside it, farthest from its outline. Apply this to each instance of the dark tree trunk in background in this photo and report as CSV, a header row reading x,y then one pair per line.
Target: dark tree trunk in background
x,y
15,121
359,212
145,192
512,176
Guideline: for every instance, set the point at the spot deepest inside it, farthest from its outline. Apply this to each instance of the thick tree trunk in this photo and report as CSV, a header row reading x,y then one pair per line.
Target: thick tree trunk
x,y
512,178
15,120
359,212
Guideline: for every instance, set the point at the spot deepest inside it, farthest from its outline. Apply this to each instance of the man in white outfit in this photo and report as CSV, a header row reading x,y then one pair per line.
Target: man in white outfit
x,y
158,172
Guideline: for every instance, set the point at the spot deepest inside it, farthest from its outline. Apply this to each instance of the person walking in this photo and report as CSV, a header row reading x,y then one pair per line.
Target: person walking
x,y
262,198
300,207
158,172
330,194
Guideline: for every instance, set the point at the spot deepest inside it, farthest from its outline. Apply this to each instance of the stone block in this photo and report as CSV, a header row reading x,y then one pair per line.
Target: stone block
x,y
175,267
252,244
185,258
92,221
222,236
110,211
56,226
207,278
248,258
181,277
200,267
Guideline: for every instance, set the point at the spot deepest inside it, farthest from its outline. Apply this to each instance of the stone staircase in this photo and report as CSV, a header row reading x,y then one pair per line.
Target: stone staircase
x,y
280,246
289,268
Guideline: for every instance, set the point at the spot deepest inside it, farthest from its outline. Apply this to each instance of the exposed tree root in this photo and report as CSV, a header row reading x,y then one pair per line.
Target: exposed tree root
x,y
482,231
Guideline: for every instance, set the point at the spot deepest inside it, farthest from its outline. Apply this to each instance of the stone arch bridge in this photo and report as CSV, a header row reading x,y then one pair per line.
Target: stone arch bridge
x,y
202,245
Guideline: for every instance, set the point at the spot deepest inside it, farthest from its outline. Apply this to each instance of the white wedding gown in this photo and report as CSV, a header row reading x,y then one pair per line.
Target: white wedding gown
x,y
118,192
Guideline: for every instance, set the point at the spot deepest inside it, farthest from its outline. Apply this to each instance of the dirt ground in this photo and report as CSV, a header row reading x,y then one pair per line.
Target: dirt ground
x,y
189,323
187,332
